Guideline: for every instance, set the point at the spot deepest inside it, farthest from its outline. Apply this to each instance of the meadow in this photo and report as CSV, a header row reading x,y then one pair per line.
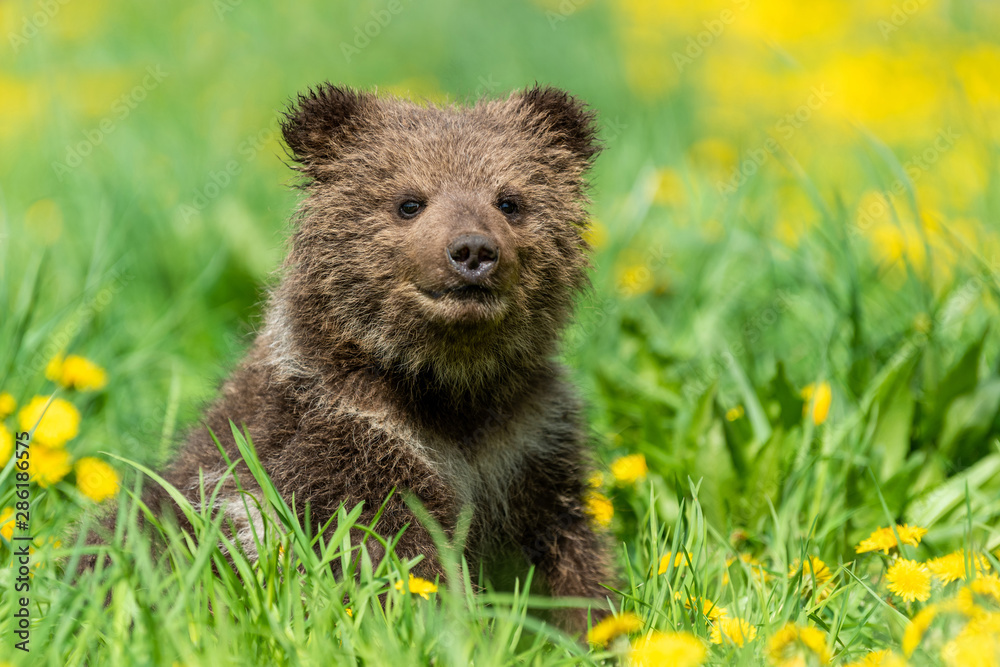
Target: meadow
x,y
789,353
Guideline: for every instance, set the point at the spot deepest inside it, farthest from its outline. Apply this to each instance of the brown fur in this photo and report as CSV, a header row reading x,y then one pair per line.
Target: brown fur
x,y
370,374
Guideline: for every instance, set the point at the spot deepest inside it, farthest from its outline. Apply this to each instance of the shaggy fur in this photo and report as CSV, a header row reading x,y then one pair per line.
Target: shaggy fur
x,y
381,367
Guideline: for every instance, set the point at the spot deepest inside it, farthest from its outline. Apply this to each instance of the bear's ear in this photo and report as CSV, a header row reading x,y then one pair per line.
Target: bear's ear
x,y
321,122
565,120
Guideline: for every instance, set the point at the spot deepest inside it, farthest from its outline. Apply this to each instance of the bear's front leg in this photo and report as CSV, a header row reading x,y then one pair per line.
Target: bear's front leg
x,y
561,542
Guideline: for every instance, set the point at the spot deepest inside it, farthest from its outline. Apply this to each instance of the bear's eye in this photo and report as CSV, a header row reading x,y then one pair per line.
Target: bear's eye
x,y
507,206
410,208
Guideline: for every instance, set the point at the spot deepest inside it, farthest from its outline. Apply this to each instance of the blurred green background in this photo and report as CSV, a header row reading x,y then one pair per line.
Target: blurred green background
x,y
795,291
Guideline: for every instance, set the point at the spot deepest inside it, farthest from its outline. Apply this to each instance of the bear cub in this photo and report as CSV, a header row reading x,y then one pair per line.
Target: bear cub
x,y
409,344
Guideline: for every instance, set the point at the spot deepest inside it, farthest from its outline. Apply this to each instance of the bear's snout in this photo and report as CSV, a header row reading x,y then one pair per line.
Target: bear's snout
x,y
473,257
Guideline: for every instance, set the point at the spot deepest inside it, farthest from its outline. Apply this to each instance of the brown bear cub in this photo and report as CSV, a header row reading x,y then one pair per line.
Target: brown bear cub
x,y
434,261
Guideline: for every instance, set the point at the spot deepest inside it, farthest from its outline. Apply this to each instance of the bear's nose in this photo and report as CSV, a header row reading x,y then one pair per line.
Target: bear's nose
x,y
473,256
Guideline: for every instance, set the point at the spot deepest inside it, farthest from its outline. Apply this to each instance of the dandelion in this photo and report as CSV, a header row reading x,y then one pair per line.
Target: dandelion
x,y
757,569
679,649
988,586
96,479
670,188
818,398
7,523
883,658
914,632
629,469
613,626
909,580
75,372
977,645
815,571
952,567
736,630
58,423
884,539
635,280
596,235
791,641
7,405
417,586
596,480
48,465
6,445
709,609
600,508
732,414
681,558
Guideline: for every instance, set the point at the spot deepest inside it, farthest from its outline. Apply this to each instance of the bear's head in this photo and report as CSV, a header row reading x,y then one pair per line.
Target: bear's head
x,y
442,242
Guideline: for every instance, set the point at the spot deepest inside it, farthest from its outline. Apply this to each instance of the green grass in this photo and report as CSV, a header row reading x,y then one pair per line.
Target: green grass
x,y
710,312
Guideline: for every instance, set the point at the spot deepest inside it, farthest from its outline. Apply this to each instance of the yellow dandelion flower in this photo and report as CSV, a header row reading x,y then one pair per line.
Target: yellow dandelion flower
x,y
883,658
909,580
76,372
48,465
349,612
884,539
596,235
735,630
96,479
732,414
914,632
635,280
952,567
614,626
670,188
987,585
709,609
7,405
818,398
7,523
596,480
815,570
629,469
599,508
59,423
6,445
679,649
977,645
680,559
793,643
417,586
757,569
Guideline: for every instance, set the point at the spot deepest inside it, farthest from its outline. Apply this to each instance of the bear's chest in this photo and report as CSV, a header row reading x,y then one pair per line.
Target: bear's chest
x,y
487,468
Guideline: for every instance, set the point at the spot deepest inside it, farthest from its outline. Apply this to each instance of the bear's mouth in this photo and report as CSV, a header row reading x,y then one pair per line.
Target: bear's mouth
x,y
468,303
462,293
